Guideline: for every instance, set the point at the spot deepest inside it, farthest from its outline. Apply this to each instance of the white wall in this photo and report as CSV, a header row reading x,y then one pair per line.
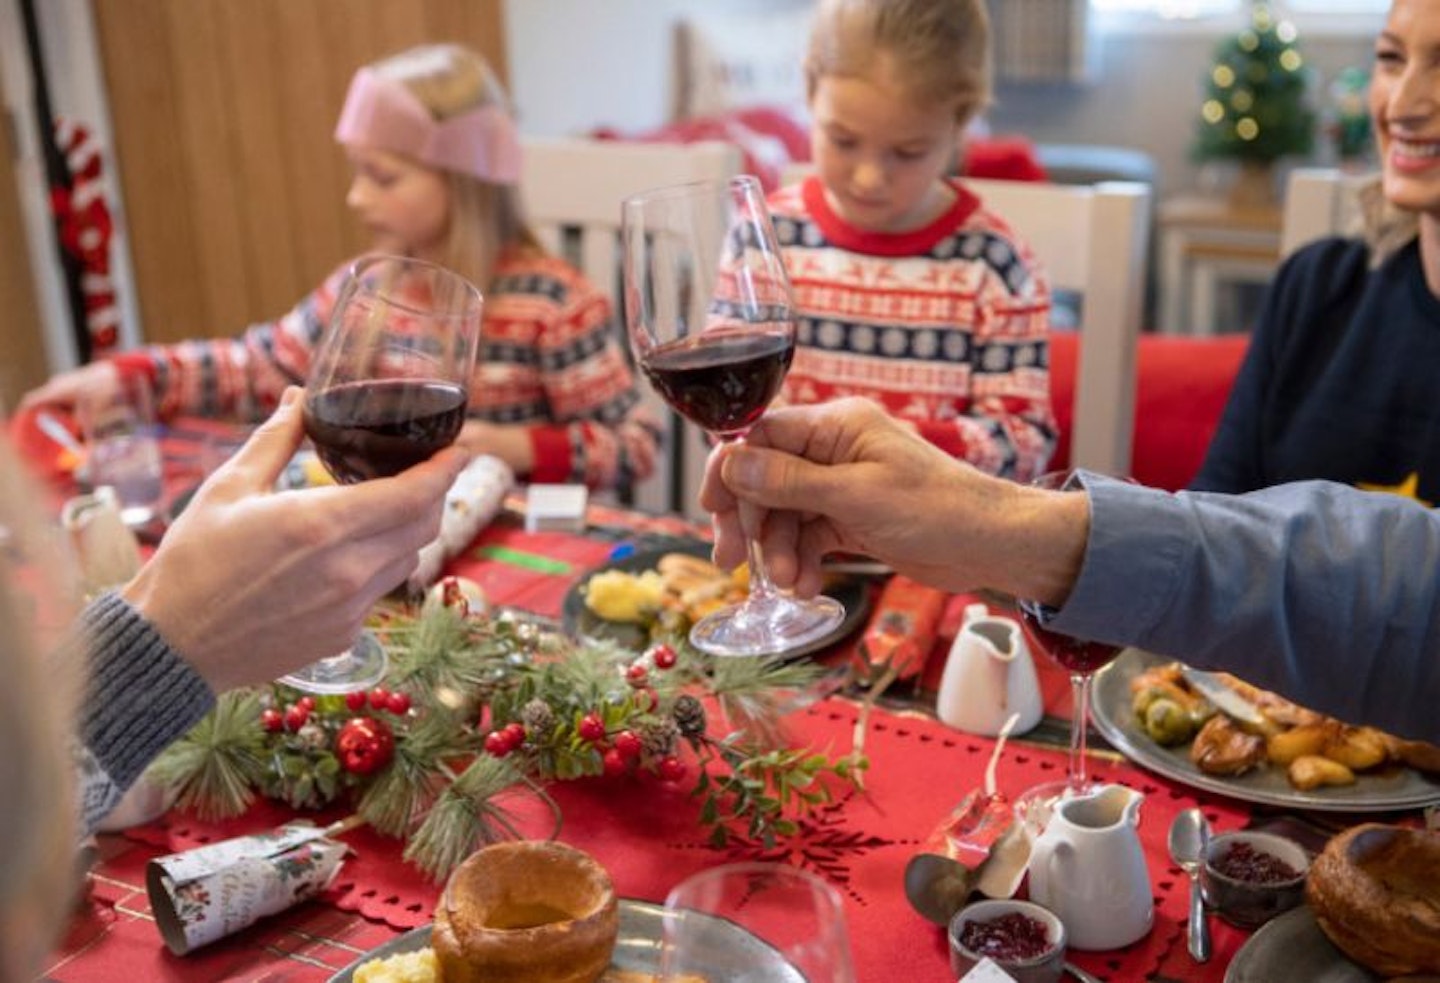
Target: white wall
x,y
578,64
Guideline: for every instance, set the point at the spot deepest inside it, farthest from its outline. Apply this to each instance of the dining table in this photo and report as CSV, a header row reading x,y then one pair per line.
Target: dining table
x,y
646,832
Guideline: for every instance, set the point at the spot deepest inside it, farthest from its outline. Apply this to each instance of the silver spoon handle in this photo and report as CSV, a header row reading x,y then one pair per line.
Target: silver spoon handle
x,y
1199,930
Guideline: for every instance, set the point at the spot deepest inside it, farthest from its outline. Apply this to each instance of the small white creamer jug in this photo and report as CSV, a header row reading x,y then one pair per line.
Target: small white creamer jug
x,y
988,676
1088,867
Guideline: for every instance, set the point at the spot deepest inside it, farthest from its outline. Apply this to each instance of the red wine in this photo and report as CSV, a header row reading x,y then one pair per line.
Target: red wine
x,y
722,381
375,429
1074,654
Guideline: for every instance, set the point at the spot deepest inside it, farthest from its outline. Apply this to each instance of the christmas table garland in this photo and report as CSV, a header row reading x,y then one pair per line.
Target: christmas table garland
x,y
473,707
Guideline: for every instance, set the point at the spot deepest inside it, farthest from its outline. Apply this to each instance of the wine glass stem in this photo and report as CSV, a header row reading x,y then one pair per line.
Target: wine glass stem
x,y
1079,720
752,520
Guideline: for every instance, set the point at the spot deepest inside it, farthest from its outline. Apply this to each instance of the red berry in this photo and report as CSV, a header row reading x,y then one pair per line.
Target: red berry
x,y
295,717
637,675
398,703
515,733
497,742
308,702
647,699
592,728
356,700
379,698
628,744
271,719
664,656
672,769
614,762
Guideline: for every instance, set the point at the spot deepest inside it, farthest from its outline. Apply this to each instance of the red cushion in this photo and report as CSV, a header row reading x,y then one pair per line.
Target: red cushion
x,y
1002,158
769,138
1181,389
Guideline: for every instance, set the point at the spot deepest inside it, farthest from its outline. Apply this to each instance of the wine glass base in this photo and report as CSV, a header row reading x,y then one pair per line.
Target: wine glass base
x,y
360,667
1036,803
771,627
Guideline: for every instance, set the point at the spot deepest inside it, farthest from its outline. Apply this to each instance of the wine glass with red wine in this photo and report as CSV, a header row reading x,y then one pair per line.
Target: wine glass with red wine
x,y
1082,658
387,389
712,326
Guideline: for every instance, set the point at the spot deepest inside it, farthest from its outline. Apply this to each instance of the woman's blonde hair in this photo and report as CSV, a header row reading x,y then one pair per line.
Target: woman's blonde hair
x,y
486,220
37,770
1385,228
937,50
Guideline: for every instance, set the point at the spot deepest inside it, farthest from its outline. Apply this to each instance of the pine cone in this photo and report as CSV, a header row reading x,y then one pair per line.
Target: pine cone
x,y
658,737
537,717
689,715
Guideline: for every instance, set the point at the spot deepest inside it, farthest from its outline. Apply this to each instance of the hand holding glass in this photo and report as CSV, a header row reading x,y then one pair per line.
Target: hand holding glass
x,y
712,325
388,388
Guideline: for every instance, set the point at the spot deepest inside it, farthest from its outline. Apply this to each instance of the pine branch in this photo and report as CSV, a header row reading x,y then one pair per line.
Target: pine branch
x,y
219,763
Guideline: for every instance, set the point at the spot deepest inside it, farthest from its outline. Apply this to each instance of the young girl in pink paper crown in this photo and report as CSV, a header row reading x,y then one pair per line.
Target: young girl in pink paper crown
x,y
436,163
908,290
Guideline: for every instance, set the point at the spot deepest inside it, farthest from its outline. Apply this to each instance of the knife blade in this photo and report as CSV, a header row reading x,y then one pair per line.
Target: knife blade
x,y
1226,700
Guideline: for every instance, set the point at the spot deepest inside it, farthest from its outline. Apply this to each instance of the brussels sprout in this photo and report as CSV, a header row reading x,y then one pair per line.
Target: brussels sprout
x,y
1168,723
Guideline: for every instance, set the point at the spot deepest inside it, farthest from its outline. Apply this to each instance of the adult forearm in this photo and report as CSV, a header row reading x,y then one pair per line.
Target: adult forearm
x,y
1315,590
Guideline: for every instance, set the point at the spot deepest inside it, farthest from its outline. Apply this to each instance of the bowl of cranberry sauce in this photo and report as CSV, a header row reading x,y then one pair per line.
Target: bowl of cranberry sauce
x,y
1022,938
1249,878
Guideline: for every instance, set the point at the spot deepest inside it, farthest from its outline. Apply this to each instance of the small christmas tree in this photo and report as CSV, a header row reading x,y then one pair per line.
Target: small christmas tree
x,y
1255,109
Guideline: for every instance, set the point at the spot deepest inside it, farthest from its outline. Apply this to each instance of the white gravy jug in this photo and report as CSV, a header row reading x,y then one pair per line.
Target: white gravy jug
x,y
989,675
1089,869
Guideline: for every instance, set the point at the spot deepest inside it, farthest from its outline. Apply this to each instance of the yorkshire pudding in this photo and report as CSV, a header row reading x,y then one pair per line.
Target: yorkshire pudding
x,y
1375,891
538,912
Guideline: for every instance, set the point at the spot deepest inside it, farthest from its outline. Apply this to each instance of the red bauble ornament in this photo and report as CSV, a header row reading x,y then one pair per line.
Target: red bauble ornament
x,y
271,719
497,742
357,700
398,703
379,698
364,745
664,656
614,762
637,675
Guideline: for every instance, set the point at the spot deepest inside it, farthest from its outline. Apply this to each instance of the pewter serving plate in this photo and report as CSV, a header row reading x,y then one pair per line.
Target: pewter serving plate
x,y
637,948
1292,947
582,622
1394,788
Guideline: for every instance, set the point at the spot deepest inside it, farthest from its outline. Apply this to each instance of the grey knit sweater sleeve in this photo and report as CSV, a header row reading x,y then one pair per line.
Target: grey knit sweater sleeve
x,y
140,695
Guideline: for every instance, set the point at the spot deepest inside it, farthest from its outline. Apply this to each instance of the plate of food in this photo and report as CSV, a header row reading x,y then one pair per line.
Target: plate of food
x,y
1292,757
666,589
636,958
1293,947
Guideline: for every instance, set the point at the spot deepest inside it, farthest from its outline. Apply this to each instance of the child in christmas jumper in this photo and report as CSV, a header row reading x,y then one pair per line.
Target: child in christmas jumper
x,y
908,291
436,161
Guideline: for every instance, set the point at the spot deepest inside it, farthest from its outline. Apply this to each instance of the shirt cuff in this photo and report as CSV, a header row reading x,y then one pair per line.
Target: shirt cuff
x,y
140,695
551,447
1125,583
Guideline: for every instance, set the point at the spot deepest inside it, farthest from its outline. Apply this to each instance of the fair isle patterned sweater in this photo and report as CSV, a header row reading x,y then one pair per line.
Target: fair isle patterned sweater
x,y
945,326
548,359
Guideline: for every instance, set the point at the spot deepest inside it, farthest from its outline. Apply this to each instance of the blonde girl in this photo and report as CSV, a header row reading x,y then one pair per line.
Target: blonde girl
x,y
436,162
910,292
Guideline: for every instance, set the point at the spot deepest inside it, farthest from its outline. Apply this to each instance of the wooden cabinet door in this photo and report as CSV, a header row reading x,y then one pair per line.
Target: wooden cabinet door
x,y
22,349
223,113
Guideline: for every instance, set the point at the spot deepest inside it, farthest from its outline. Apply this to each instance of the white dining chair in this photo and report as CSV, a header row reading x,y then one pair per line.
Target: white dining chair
x,y
1319,201
572,190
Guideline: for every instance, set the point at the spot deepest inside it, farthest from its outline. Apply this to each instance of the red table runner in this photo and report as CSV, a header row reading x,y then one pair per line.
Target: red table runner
x,y
648,835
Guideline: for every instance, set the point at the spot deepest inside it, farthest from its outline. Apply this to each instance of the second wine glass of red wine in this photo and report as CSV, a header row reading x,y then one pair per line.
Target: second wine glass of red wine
x,y
388,388
712,325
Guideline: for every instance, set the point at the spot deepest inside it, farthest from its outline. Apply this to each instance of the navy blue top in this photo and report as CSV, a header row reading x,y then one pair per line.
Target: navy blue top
x,y
1341,382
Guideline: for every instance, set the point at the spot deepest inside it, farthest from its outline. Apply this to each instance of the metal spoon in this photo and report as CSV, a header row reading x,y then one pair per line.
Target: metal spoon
x,y
1189,836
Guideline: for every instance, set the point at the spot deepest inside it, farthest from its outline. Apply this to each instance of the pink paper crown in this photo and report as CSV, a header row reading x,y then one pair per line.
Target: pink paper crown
x,y
383,114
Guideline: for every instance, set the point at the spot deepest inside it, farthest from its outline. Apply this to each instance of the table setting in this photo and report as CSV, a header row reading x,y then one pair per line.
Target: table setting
x,y
578,733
